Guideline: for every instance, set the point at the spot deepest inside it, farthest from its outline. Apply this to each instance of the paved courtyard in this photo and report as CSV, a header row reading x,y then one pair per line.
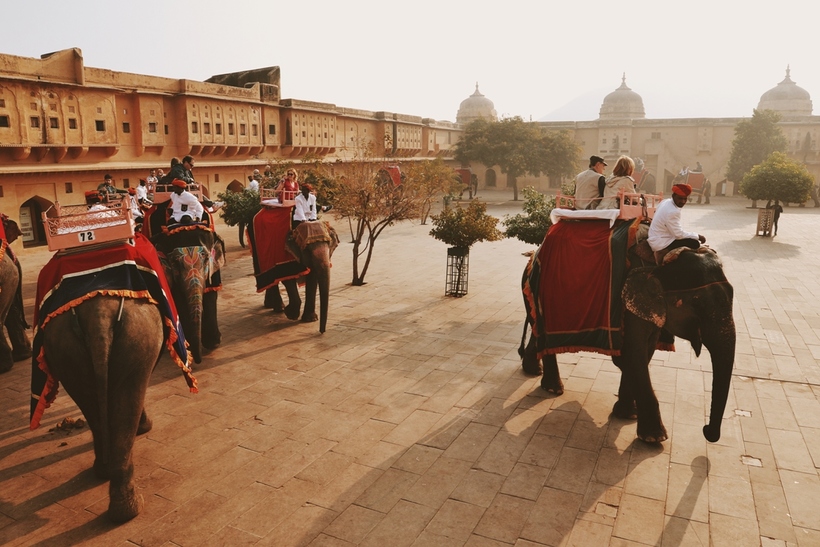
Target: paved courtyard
x,y
410,423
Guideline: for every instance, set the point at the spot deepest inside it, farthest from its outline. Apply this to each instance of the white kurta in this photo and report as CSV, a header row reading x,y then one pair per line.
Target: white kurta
x,y
666,226
185,204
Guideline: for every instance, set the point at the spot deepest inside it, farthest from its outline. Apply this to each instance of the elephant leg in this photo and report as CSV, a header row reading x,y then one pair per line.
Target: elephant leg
x,y
273,299
294,300
551,380
529,359
625,407
640,338
17,326
242,234
145,424
309,313
211,336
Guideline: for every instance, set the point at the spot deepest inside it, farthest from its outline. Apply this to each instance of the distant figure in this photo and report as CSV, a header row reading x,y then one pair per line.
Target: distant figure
x,y
473,185
253,181
684,171
698,168
152,177
589,184
777,208
288,184
107,186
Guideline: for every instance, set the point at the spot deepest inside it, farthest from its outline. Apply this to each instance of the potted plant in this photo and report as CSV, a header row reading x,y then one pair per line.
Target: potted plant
x,y
461,227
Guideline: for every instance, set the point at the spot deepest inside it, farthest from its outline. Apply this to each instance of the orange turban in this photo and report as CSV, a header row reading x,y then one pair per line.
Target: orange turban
x,y
132,191
682,190
179,183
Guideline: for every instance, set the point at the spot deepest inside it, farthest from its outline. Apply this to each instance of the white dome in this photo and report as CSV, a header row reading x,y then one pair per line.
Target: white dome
x,y
787,98
623,103
476,106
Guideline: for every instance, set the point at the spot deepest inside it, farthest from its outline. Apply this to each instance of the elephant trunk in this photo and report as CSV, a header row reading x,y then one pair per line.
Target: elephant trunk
x,y
722,350
324,297
193,325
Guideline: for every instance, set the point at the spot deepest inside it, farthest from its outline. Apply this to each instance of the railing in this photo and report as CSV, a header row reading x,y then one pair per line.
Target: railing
x,y
158,193
73,226
287,200
633,204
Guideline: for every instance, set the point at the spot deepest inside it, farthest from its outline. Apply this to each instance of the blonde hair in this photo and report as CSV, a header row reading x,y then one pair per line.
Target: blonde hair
x,y
624,167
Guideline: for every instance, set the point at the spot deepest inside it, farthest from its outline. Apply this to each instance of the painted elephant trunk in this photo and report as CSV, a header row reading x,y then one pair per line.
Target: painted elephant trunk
x,y
722,351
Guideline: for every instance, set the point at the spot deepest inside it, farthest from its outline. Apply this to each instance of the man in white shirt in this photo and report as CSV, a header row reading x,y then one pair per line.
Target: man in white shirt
x,y
305,206
185,208
666,232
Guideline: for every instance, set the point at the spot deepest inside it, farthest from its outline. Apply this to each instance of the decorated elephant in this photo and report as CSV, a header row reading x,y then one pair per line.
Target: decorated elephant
x,y
282,256
646,306
193,255
101,318
12,314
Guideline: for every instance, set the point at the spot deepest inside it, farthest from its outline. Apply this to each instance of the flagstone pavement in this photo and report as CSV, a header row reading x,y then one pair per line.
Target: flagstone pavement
x,y
410,422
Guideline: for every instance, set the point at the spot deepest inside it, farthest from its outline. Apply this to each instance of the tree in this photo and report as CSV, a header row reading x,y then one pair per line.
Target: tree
x,y
518,148
239,207
754,141
463,227
369,199
428,179
531,226
778,178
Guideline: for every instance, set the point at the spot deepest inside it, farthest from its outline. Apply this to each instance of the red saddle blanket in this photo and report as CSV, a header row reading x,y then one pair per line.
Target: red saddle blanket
x,y
574,286
124,270
272,262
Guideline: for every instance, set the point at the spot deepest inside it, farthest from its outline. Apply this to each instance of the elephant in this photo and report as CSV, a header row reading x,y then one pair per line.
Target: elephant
x,y
103,352
316,255
687,296
284,255
101,318
12,314
192,256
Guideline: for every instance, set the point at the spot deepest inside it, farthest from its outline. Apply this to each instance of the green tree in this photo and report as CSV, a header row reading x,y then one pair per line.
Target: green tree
x,y
778,178
427,179
531,226
463,227
371,202
239,207
518,148
754,141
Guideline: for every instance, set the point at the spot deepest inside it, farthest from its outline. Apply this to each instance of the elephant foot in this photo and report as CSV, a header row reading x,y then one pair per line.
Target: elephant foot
x,y
625,410
123,509
292,312
145,424
712,434
531,367
276,309
21,355
552,385
652,435
306,318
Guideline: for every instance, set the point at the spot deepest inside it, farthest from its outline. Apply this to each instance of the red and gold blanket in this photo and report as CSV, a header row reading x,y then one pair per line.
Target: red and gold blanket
x,y
272,262
125,270
577,275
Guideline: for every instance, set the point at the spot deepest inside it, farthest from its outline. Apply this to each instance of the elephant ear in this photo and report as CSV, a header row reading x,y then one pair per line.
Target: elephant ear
x,y
643,296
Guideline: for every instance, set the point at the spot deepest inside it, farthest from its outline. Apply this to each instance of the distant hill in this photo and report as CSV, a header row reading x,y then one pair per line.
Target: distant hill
x,y
582,108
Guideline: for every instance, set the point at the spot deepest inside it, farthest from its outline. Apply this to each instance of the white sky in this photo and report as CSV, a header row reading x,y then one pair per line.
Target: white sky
x,y
552,59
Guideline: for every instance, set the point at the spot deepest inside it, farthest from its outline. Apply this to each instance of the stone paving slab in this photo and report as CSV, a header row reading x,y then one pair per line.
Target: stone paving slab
x,y
409,422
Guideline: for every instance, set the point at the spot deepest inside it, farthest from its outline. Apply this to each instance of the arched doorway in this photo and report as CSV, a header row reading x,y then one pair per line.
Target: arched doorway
x,y
31,221
235,186
489,178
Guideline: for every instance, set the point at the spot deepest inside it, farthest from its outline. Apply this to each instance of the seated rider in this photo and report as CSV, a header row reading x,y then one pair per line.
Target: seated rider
x,y
305,207
621,179
184,208
666,232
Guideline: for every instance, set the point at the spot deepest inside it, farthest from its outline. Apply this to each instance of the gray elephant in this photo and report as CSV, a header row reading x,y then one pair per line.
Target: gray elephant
x,y
12,313
101,319
312,244
192,256
103,353
688,297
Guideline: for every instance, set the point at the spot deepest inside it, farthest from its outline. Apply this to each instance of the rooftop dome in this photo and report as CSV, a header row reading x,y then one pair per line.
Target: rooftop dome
x,y
787,97
476,106
623,103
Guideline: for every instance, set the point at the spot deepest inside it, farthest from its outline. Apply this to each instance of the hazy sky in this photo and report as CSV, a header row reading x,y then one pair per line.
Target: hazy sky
x,y
541,59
